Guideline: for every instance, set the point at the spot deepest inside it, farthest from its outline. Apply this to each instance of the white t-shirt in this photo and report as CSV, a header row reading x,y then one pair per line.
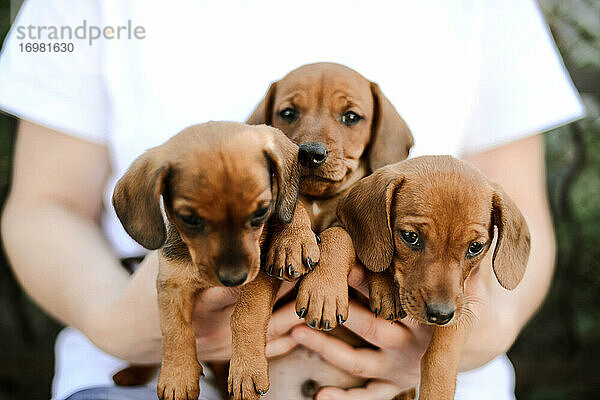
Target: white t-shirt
x,y
466,76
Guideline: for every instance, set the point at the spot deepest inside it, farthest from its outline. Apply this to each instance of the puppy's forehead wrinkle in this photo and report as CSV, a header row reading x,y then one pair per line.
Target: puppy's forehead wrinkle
x,y
447,195
222,185
324,81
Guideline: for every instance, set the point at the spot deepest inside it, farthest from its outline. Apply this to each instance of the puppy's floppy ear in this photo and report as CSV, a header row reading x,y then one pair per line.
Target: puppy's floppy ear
x,y
391,139
512,245
136,200
282,155
263,112
365,213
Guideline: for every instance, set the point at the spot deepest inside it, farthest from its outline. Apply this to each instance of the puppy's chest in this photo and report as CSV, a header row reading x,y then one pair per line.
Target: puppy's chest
x,y
321,212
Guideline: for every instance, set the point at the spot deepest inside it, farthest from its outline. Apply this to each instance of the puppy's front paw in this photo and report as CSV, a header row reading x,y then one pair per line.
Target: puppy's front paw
x,y
384,298
322,301
293,252
179,381
248,377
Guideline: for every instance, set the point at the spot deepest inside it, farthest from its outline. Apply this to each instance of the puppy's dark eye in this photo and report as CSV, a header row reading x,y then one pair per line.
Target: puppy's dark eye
x,y
350,118
412,239
192,221
259,216
288,114
474,249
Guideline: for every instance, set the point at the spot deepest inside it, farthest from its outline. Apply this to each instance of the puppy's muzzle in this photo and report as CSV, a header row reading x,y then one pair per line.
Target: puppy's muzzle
x,y
439,313
312,154
232,276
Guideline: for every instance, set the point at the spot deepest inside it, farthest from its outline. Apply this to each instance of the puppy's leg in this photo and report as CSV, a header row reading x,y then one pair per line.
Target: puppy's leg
x,y
248,370
439,365
180,370
293,249
323,294
384,298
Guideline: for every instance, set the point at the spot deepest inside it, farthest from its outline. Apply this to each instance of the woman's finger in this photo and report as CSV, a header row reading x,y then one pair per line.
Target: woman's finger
x,y
360,362
283,320
358,279
279,346
378,331
374,390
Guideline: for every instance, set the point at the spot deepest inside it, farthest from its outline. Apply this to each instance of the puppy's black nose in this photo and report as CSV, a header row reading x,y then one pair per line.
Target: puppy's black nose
x,y
312,154
439,314
229,278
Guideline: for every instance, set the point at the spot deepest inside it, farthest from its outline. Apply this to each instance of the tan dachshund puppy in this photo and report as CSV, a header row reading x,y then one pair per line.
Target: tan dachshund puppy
x,y
220,182
345,128
422,226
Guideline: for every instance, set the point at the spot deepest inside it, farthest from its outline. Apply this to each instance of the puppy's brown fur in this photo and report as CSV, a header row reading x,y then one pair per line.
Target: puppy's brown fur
x,y
320,97
220,182
450,205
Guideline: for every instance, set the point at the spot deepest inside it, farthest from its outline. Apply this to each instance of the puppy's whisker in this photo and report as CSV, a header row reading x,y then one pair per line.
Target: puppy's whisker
x,y
473,299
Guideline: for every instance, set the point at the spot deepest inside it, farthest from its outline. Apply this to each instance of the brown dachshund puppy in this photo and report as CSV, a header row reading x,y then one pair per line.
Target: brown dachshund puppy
x,y
345,128
220,182
421,227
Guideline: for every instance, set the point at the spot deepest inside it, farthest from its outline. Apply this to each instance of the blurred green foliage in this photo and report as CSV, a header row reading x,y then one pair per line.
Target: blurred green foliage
x,y
556,354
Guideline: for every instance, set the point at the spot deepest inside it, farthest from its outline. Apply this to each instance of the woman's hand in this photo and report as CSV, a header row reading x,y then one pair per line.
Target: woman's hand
x,y
392,368
134,319
211,316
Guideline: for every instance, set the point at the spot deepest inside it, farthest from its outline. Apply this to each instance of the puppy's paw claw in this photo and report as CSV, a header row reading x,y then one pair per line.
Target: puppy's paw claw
x,y
248,378
292,253
179,382
384,299
322,308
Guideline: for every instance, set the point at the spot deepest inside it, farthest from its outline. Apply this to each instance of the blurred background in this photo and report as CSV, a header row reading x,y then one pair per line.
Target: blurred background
x,y
556,356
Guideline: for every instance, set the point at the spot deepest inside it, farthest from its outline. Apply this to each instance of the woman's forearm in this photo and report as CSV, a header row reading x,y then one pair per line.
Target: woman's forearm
x,y
65,265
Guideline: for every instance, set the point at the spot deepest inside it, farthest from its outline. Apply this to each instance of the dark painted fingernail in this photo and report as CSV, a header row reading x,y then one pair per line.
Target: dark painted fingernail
x,y
377,311
318,238
307,262
262,392
270,269
340,319
301,313
390,317
314,323
290,270
280,273
327,326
